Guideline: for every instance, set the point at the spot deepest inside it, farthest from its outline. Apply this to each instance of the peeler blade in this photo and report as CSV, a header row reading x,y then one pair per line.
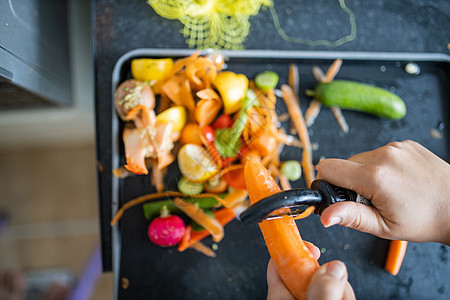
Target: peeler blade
x,y
265,208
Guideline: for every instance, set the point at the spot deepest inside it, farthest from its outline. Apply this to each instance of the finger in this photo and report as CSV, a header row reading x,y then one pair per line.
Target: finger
x,y
315,251
362,157
348,292
354,215
343,173
328,282
276,287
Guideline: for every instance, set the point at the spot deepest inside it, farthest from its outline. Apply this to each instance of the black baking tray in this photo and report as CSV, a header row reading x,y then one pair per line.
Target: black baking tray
x,y
239,270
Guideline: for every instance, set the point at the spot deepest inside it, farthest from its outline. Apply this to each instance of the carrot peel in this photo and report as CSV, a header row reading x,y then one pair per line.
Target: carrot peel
x,y
224,216
199,216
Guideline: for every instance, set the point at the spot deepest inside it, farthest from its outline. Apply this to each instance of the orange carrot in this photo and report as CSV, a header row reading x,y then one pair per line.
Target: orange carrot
x,y
202,248
295,112
284,182
231,168
318,74
312,112
274,171
306,213
340,118
314,107
287,140
201,72
295,263
157,177
182,62
122,172
223,215
395,256
333,70
293,78
265,144
234,198
206,111
331,73
178,90
200,217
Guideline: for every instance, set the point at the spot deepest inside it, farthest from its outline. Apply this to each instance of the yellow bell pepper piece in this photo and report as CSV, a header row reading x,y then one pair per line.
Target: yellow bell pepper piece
x,y
232,87
176,115
148,69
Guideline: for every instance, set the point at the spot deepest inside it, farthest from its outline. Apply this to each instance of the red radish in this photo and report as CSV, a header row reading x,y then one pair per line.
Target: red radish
x,y
166,230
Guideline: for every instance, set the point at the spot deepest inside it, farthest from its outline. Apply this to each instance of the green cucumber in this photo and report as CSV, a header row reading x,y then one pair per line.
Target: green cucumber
x,y
189,188
361,97
266,80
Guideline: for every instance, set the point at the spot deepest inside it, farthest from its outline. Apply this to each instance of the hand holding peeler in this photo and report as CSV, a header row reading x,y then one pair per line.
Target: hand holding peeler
x,y
321,195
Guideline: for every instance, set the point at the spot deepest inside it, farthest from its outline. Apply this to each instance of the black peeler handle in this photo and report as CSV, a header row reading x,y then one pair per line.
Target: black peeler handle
x,y
333,194
321,195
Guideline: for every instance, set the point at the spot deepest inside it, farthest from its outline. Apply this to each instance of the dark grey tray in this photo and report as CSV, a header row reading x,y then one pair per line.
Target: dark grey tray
x,y
240,267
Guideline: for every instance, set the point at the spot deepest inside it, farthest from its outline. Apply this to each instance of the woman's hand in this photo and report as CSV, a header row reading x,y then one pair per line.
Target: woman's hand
x,y
409,188
329,282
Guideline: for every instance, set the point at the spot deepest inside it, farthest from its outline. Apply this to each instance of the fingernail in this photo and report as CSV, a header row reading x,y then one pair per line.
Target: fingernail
x,y
336,269
334,221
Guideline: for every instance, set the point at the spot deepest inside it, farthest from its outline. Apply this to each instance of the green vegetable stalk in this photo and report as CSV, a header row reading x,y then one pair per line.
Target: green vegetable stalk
x,y
227,140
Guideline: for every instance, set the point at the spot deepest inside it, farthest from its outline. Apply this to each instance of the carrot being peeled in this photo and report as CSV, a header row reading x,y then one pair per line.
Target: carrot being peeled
x,y
395,256
295,263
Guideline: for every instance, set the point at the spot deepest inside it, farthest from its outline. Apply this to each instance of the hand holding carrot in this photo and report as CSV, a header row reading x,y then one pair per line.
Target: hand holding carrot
x,y
408,185
328,282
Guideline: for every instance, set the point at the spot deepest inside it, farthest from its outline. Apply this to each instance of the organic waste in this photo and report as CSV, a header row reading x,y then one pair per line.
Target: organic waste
x,y
211,123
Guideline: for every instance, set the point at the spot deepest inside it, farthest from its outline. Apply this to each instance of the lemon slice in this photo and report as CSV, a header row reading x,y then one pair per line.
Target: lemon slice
x,y
176,115
196,164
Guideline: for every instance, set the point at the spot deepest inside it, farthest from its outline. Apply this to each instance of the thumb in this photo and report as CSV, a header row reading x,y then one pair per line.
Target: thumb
x,y
329,282
354,215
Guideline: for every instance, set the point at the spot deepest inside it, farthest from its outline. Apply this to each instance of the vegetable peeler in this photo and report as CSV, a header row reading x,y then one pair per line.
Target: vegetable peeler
x,y
321,195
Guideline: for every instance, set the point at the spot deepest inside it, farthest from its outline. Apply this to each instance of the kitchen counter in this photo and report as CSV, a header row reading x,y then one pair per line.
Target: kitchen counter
x,y
382,26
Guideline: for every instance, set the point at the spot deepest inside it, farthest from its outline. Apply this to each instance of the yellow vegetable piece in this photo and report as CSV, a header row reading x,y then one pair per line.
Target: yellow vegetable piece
x,y
232,87
176,115
148,69
196,164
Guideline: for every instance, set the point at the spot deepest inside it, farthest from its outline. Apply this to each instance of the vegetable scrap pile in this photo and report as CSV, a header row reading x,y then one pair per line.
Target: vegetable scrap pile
x,y
210,122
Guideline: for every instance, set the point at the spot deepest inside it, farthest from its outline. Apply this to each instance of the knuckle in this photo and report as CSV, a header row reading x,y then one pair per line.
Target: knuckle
x,y
375,173
323,167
